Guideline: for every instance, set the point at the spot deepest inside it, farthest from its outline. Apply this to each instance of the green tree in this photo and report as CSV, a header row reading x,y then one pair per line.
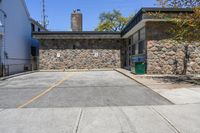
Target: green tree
x,y
112,21
162,3
179,3
186,27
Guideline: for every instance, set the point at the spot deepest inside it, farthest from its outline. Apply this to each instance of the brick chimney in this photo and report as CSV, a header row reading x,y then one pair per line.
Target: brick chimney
x,y
77,20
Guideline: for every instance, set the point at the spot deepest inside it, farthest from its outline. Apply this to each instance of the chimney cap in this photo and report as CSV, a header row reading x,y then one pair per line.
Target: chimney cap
x,y
77,11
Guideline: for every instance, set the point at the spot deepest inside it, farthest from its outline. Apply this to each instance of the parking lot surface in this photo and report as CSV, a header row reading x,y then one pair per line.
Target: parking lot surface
x,y
75,89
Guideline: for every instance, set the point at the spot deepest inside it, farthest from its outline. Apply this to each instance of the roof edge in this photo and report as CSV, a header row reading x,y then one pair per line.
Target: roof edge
x,y
25,7
38,24
156,9
74,32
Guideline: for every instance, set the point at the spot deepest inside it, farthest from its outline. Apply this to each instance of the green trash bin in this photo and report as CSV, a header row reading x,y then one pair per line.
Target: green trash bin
x,y
138,65
139,68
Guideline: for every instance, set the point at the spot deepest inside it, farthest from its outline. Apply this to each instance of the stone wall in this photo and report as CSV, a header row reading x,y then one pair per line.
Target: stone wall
x,y
80,54
167,57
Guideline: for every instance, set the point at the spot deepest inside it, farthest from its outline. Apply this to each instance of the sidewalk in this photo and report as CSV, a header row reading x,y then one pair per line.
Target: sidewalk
x,y
178,93
143,119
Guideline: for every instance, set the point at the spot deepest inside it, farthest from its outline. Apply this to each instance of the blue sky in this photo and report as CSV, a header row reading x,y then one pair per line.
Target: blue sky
x,y
59,11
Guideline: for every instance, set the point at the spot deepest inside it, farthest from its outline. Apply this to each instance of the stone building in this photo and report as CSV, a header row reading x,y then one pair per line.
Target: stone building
x,y
144,39
148,37
80,50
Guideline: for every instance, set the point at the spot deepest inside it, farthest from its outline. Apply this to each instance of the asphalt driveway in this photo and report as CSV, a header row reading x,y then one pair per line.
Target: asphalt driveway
x,y
75,89
88,102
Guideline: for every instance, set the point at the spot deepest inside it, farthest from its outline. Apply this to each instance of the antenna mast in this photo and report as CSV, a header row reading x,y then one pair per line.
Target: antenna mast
x,y
44,16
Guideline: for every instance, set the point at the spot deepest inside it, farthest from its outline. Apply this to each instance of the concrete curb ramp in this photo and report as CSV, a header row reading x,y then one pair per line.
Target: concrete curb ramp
x,y
148,119
187,95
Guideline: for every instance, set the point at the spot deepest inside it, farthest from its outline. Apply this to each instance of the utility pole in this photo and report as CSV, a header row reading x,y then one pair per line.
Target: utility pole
x,y
44,16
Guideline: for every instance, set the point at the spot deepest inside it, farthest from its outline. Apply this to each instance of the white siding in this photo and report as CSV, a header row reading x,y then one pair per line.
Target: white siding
x,y
17,35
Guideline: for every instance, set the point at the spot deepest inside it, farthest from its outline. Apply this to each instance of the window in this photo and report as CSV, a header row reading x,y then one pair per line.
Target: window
x,y
133,49
74,46
129,41
141,47
33,51
139,37
129,54
135,37
129,50
125,58
38,29
33,27
142,34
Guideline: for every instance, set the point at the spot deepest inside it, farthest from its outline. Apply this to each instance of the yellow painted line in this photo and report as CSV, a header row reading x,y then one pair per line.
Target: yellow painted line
x,y
45,92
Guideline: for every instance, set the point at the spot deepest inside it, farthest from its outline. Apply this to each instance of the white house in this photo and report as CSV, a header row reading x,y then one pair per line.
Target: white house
x,y
36,26
15,37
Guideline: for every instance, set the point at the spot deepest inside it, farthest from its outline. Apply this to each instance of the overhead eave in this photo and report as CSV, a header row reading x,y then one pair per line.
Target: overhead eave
x,y
139,26
76,35
139,18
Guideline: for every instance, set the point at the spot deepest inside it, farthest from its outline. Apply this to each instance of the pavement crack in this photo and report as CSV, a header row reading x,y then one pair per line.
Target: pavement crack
x,y
118,119
132,127
168,121
78,121
120,112
122,119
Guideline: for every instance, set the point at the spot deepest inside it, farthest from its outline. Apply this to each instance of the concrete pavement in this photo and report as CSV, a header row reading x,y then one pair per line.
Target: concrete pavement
x,y
182,95
185,118
16,91
126,119
92,102
81,89
38,120
122,120
177,93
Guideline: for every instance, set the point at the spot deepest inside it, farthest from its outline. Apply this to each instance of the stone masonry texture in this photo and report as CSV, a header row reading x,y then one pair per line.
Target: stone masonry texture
x,y
165,55
80,54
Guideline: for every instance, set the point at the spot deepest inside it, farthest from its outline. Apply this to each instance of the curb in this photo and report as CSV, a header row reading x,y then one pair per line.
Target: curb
x,y
76,70
131,78
16,75
144,85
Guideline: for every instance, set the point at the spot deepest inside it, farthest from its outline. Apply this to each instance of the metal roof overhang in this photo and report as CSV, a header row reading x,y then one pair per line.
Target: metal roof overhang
x,y
76,35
